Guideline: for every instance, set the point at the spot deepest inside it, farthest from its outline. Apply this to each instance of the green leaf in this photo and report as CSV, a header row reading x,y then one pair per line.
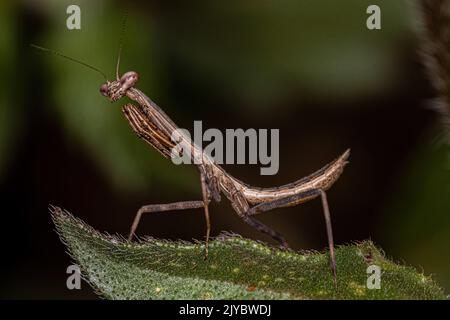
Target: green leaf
x,y
236,268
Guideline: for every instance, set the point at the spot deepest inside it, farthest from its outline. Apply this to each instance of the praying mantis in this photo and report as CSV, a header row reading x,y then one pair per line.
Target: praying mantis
x,y
152,125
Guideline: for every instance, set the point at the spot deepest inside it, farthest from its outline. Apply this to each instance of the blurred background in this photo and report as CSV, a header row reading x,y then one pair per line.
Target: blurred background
x,y
310,68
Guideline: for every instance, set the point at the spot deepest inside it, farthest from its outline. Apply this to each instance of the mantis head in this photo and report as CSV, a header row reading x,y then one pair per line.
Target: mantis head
x,y
114,90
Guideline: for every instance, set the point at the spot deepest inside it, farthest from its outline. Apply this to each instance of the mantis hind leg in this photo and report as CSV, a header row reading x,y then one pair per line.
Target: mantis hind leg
x,y
294,200
258,225
240,205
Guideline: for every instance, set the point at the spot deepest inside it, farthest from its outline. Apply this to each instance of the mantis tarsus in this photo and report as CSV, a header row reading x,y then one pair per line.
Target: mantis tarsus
x,y
156,128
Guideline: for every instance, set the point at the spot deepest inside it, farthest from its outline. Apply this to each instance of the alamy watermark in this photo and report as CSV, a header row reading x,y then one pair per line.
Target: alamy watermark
x,y
373,22
73,21
374,278
263,147
74,279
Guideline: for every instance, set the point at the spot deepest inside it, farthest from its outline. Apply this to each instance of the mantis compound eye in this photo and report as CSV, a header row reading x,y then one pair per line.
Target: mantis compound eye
x,y
129,79
104,90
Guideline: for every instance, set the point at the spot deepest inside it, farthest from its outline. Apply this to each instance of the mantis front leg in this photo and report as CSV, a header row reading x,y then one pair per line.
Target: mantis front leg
x,y
154,208
206,199
183,205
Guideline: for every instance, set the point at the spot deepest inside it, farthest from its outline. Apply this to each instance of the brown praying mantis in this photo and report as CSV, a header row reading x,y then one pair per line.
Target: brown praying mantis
x,y
153,126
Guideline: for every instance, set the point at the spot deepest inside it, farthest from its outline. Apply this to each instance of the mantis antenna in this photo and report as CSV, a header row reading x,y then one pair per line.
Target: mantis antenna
x,y
122,32
71,59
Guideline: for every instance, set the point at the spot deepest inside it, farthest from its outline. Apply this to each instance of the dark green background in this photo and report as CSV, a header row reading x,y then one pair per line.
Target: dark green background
x,y
309,68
